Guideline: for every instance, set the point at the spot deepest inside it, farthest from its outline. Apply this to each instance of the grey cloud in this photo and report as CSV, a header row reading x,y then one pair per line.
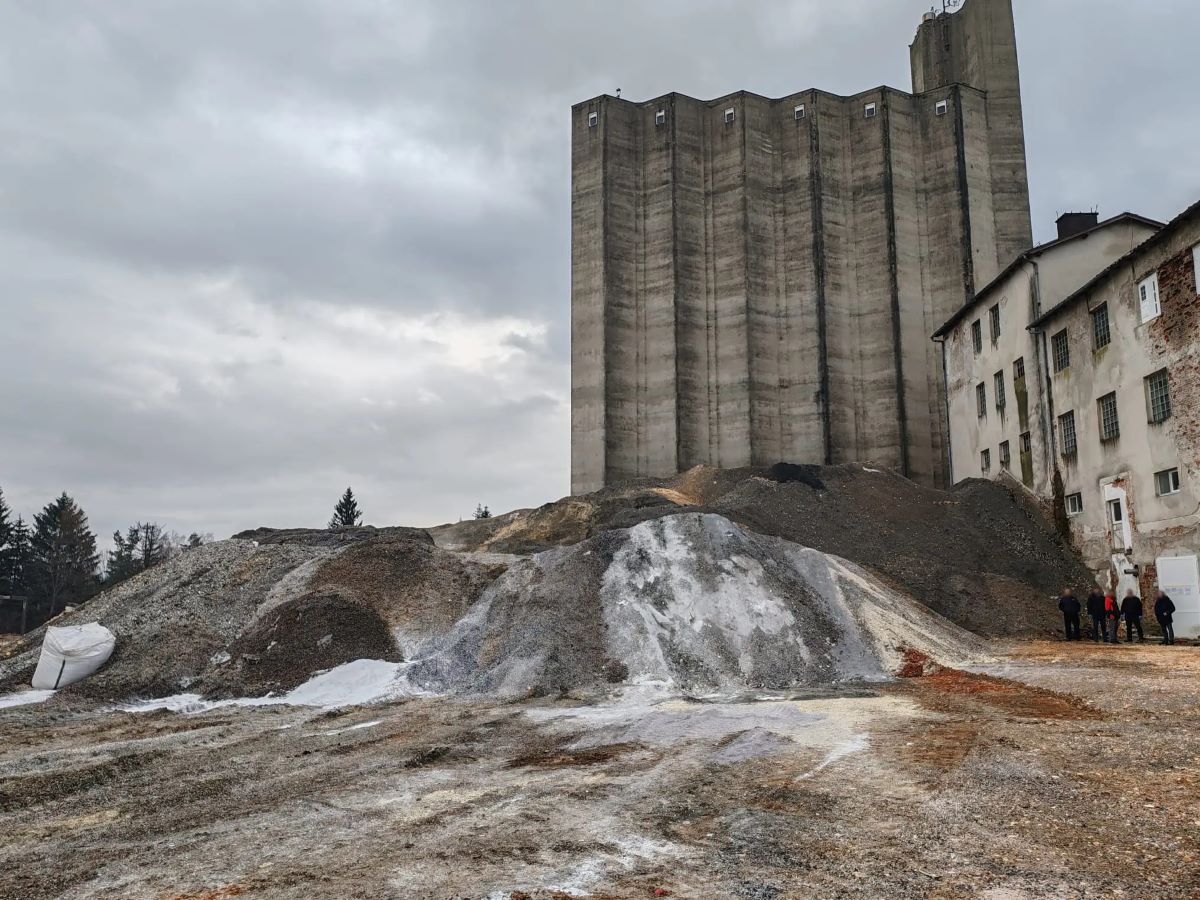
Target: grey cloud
x,y
190,191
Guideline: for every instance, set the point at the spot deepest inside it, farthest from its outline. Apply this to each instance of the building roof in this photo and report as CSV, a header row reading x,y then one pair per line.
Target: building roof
x,y
1164,233
987,290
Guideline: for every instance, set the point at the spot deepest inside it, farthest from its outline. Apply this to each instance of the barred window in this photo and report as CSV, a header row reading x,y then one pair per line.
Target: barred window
x,y
1110,426
1166,482
994,315
1158,396
1019,369
1001,397
1101,331
1061,351
981,399
977,336
1005,456
985,461
1027,443
1066,427
1074,504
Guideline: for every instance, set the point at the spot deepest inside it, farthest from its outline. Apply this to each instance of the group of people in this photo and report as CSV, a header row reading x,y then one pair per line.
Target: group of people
x,y
1107,614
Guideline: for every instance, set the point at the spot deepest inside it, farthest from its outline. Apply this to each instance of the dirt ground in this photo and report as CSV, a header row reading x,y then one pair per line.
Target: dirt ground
x,y
1069,770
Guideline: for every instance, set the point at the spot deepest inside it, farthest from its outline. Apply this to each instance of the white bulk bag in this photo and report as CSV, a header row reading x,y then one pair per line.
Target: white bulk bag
x,y
72,653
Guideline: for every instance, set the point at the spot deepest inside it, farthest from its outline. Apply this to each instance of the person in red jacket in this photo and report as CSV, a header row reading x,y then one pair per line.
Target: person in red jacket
x,y
1112,617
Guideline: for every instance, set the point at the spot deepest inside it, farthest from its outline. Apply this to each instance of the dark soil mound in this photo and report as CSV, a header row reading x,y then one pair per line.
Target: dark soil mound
x,y
301,637
336,537
983,555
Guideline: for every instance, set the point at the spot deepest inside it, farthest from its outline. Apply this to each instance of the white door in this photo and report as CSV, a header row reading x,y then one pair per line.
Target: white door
x,y
1179,579
1116,505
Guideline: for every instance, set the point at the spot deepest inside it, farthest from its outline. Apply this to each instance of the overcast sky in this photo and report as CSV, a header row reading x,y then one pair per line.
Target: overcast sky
x,y
253,252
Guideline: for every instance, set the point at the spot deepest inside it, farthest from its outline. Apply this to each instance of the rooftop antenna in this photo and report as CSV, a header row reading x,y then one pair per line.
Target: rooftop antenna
x,y
618,93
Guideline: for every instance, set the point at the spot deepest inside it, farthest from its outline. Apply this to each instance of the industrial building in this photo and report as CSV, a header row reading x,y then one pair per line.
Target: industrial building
x,y
755,280
1096,340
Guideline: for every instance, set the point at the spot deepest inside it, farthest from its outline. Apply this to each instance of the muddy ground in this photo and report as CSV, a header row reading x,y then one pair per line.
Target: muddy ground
x,y
1076,773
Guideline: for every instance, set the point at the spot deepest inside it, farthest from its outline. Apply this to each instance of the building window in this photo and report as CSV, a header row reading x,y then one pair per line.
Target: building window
x,y
981,399
801,112
1116,512
1158,396
730,116
943,107
1066,428
593,120
1110,427
985,461
660,117
994,315
1019,369
1148,297
1166,483
1101,332
1027,442
1075,504
977,336
1060,349
1001,394
871,110
1005,456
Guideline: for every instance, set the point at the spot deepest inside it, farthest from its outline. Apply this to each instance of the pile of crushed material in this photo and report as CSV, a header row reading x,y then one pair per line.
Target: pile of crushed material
x,y
984,555
710,582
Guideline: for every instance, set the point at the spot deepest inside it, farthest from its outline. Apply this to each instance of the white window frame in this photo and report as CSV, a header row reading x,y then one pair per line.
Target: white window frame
x,y
593,119
1173,480
660,117
730,115
871,110
1149,303
801,112
943,107
1074,508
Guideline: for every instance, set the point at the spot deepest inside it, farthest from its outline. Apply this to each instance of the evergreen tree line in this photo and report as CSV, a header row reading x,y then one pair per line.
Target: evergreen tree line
x,y
54,563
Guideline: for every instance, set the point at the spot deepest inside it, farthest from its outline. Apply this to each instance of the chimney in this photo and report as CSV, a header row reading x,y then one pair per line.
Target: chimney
x,y
1071,224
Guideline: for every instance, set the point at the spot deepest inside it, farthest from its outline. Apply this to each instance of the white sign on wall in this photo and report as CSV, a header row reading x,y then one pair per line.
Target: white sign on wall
x,y
1179,579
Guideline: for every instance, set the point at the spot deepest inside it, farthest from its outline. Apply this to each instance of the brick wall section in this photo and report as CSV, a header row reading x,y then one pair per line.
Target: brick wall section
x,y
1175,340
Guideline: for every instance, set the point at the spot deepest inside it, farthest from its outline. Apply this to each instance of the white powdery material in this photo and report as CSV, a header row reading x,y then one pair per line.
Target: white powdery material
x,y
654,599
352,684
24,698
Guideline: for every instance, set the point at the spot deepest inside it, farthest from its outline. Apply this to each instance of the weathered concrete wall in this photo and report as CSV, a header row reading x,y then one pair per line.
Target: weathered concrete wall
x,y
1049,276
762,289
1162,525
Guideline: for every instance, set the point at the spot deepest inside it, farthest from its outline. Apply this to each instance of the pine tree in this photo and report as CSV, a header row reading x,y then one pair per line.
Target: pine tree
x,y
142,547
14,563
63,561
346,513
6,530
482,512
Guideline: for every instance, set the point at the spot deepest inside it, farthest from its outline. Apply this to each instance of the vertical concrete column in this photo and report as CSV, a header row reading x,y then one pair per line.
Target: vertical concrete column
x,y
588,412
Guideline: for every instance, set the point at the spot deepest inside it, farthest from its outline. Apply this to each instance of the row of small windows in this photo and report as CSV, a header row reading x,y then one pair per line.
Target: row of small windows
x,y
1149,307
999,389
1005,454
1166,483
870,111
993,327
1158,410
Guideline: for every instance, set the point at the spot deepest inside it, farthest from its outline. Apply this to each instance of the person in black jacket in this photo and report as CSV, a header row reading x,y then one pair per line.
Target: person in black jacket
x,y
1095,611
1164,611
1131,611
1068,603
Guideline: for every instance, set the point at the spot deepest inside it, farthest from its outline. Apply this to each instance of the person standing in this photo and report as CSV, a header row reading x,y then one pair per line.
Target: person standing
x,y
1068,603
1164,611
1095,611
1131,610
1112,617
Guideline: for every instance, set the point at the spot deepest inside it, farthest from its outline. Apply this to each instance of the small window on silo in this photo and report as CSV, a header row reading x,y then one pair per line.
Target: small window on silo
x,y
800,112
730,115
593,120
872,109
660,117
943,107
